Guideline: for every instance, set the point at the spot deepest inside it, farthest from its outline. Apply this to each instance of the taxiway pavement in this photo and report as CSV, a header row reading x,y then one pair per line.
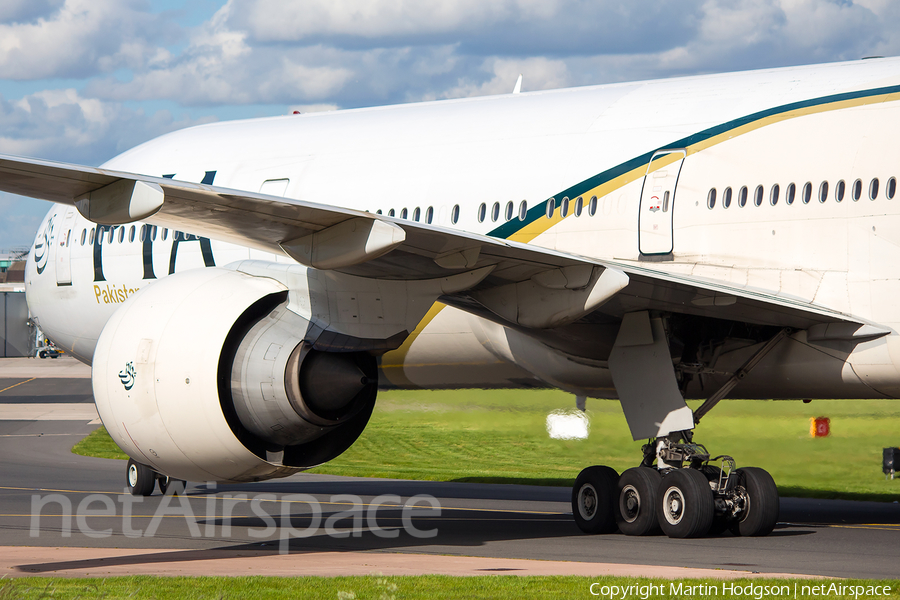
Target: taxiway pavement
x,y
41,482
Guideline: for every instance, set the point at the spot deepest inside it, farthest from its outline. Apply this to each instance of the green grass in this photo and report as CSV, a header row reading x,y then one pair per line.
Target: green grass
x,y
500,436
382,588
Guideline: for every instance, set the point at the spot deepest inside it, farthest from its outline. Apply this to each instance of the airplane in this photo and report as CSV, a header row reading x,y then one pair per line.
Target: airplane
x,y
243,290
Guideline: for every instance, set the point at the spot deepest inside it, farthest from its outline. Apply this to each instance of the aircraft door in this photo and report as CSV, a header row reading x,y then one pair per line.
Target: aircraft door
x,y
65,240
658,202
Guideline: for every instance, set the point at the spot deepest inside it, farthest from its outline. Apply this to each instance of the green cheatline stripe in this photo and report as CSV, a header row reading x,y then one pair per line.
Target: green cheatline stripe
x,y
538,211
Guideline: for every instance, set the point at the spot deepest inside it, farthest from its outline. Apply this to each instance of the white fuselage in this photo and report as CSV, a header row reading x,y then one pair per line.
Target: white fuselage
x,y
495,161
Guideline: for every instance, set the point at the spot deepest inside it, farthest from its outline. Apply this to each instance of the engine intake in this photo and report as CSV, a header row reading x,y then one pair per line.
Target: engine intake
x,y
221,385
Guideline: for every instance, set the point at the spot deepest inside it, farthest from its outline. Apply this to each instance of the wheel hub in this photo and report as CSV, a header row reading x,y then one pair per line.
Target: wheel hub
x,y
132,475
587,502
673,501
631,503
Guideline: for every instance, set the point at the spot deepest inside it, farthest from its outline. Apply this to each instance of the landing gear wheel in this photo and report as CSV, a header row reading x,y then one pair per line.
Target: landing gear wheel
x,y
594,498
636,510
176,486
685,504
761,508
141,479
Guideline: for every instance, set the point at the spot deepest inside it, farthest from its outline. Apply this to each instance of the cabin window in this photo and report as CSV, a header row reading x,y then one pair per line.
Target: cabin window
x,y
726,198
807,192
666,201
509,210
378,212
592,206
131,234
392,212
429,215
551,205
773,194
121,234
742,197
91,237
790,193
758,195
417,212
873,189
454,214
565,207
856,192
83,236
711,199
495,211
111,236
523,210
579,206
891,188
823,191
839,189
482,212
404,213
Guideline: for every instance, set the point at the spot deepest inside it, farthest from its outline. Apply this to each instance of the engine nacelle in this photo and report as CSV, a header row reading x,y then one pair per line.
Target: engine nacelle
x,y
205,376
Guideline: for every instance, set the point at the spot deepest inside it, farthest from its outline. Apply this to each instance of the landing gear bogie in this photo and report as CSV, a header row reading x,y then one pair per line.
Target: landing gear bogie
x,y
686,494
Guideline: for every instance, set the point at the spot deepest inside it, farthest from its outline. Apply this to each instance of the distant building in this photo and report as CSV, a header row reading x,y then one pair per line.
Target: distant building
x,y
12,265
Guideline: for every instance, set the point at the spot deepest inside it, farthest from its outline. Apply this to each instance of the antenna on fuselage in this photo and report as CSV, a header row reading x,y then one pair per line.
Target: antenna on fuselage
x,y
518,87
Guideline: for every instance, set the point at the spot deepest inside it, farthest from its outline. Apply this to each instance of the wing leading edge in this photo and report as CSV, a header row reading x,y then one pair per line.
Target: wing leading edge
x,y
378,246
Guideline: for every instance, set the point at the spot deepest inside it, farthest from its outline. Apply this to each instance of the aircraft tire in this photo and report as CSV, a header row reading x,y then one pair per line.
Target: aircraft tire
x,y
141,479
685,505
761,514
168,484
636,506
594,498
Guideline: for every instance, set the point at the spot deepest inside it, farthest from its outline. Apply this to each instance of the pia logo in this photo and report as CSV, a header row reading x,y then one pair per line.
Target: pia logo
x,y
42,247
126,375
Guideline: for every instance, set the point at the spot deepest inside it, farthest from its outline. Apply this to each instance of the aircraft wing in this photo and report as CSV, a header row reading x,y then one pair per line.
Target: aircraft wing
x,y
379,246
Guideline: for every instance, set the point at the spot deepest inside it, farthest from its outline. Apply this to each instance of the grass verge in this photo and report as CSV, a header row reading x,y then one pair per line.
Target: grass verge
x,y
412,588
499,436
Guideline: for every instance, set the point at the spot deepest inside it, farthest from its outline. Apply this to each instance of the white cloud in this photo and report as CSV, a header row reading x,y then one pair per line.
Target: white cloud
x,y
80,39
219,67
63,125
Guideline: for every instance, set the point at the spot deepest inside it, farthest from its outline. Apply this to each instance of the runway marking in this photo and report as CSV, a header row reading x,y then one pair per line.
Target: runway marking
x,y
204,497
876,526
15,384
37,434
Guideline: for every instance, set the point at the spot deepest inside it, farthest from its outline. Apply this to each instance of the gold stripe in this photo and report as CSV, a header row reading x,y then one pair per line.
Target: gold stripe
x,y
392,362
541,225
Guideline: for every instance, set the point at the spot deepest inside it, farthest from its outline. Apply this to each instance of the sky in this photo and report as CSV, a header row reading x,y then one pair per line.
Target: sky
x,y
84,80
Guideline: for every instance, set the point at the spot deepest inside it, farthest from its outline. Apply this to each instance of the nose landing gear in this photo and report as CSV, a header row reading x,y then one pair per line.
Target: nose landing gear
x,y
142,480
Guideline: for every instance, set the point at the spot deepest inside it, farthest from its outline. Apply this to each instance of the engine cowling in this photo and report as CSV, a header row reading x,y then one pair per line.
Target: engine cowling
x,y
206,376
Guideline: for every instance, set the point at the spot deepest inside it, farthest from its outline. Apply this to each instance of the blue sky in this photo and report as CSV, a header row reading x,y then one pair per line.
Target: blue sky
x,y
83,80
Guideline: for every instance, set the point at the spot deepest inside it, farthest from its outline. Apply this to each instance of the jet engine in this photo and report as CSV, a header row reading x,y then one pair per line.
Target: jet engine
x,y
208,375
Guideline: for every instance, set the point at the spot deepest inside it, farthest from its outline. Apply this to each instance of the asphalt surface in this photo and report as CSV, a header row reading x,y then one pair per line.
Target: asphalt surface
x,y
40,476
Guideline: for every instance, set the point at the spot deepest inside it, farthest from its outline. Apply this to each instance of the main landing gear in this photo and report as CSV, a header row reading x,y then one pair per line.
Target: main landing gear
x,y
142,480
688,494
